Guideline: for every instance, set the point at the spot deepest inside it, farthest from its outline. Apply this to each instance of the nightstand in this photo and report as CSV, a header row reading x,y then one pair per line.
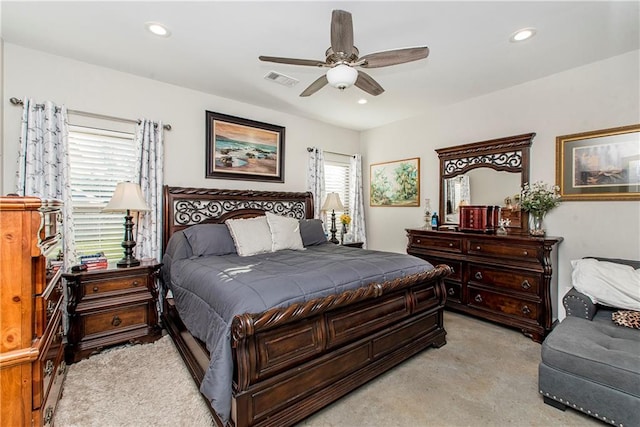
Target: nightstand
x,y
353,244
111,306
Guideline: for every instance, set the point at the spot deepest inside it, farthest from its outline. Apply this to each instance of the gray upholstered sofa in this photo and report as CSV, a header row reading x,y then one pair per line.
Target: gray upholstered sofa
x,y
591,364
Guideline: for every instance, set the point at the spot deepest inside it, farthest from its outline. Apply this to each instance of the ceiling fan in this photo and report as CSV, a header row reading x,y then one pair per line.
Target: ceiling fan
x,y
342,58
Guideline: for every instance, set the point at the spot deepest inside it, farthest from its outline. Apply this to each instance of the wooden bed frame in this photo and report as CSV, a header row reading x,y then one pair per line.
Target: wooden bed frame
x,y
290,362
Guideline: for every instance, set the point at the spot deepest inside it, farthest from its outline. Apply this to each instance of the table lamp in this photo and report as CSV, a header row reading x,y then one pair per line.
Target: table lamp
x,y
127,198
333,203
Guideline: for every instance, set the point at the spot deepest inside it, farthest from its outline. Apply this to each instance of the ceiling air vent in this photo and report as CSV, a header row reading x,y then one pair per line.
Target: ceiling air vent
x,y
281,78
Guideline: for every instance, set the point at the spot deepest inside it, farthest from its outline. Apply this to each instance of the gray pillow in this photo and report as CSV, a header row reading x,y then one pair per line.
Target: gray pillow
x,y
312,232
210,239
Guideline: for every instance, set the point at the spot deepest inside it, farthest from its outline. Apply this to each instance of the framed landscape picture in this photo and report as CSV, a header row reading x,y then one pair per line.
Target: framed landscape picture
x,y
395,183
599,165
244,149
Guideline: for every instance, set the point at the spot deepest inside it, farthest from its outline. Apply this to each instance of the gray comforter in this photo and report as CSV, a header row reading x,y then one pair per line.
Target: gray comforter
x,y
210,291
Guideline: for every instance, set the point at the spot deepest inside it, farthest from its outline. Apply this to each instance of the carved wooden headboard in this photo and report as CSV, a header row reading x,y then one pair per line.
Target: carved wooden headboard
x,y
184,206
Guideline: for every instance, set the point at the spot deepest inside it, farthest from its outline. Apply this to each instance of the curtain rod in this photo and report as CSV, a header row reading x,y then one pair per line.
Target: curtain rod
x,y
310,149
18,101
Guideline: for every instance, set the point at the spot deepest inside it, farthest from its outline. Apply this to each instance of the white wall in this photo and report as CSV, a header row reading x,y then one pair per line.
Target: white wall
x,y
596,96
85,87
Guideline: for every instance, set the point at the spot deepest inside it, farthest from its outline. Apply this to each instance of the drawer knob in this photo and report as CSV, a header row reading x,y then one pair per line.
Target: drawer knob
x,y
96,289
418,240
48,368
63,368
478,298
450,291
525,253
478,275
135,283
450,245
526,310
453,270
116,320
477,248
526,285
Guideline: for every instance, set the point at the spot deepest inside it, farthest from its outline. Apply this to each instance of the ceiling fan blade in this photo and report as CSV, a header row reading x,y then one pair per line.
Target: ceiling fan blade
x,y
367,84
341,33
393,57
292,61
315,86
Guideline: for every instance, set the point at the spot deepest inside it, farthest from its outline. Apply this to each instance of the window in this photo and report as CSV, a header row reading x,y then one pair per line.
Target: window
x,y
336,179
99,160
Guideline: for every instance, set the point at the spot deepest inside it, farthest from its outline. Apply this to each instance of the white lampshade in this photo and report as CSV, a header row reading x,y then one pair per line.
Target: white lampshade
x,y
332,203
342,76
128,196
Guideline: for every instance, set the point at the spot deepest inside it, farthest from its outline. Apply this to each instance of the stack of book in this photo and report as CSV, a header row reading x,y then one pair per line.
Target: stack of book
x,y
95,261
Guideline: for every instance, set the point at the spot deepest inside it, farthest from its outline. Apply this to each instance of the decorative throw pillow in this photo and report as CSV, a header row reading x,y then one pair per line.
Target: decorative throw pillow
x,y
312,232
251,235
210,239
628,318
285,232
607,283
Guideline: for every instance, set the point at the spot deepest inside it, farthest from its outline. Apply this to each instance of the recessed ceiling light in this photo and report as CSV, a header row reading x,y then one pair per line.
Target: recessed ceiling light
x,y
362,101
158,29
522,35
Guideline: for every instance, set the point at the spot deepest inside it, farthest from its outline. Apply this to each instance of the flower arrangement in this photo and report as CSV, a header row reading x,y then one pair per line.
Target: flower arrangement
x,y
345,219
539,197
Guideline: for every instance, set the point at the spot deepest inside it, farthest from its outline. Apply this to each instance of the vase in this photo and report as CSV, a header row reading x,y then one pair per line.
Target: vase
x,y
536,224
344,231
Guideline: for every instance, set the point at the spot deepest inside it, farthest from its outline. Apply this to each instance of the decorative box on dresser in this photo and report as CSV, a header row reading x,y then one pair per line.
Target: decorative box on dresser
x,y
509,279
111,306
32,368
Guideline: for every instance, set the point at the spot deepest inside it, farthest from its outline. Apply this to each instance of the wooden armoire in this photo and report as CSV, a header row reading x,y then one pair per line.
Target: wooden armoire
x,y
32,368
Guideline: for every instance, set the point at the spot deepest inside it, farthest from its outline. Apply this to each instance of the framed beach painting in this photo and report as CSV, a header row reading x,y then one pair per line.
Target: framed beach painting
x,y
395,183
244,149
599,165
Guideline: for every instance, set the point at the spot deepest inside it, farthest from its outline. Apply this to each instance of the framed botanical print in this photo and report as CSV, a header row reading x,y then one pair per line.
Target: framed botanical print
x,y
395,183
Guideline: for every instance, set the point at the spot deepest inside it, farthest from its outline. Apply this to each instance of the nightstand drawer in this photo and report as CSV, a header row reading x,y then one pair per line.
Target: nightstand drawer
x,y
46,368
505,278
114,320
99,288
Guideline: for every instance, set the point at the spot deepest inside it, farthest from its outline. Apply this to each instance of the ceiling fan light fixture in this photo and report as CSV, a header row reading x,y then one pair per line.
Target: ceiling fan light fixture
x,y
342,76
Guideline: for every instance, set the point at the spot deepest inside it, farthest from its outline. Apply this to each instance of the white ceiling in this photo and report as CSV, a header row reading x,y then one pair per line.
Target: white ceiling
x,y
214,46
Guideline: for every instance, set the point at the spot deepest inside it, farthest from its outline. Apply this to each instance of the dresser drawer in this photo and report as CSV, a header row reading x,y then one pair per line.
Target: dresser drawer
x,y
499,249
46,306
112,321
104,287
45,368
502,304
454,291
436,243
455,265
504,278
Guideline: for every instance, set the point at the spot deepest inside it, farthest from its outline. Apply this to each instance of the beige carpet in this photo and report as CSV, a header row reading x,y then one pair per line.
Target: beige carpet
x,y
485,375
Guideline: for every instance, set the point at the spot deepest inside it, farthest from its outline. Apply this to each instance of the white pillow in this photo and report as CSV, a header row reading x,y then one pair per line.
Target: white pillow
x,y
285,232
607,283
251,235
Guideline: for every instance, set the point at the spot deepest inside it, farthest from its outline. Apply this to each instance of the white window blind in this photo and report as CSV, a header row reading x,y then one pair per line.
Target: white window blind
x,y
336,180
99,160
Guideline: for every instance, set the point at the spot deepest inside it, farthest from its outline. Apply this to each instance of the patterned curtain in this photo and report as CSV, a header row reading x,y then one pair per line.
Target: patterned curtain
x,y
356,200
315,178
149,143
43,163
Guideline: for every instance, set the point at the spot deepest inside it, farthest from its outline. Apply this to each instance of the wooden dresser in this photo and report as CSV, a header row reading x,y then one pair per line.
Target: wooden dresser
x,y
32,369
111,306
507,279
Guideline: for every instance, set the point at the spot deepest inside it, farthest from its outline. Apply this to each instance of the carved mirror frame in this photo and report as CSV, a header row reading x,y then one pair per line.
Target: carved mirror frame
x,y
510,154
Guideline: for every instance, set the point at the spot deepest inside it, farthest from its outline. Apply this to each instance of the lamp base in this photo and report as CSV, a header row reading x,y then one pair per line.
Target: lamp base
x,y
128,262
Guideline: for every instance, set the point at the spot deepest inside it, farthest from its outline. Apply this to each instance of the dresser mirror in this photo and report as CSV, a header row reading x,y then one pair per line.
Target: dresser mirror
x,y
485,173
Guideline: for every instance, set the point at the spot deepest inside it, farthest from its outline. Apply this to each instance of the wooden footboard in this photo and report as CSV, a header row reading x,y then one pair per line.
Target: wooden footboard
x,y
291,362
